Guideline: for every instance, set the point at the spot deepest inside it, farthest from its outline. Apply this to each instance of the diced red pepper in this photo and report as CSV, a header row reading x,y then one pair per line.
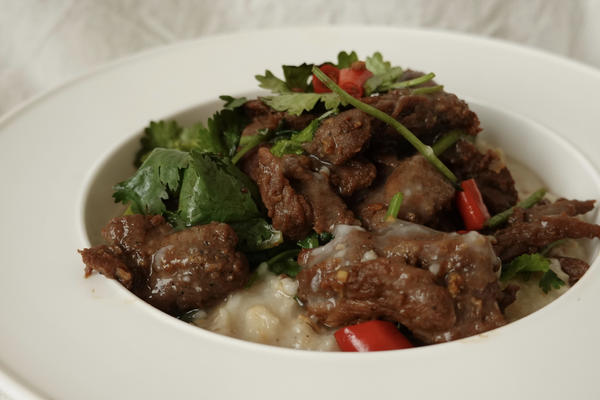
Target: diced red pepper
x,y
471,206
371,336
353,79
331,71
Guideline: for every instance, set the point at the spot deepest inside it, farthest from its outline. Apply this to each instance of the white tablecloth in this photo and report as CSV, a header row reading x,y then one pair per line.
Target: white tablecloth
x,y
45,42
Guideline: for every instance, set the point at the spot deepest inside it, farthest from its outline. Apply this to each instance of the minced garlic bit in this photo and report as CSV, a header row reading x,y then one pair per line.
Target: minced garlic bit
x,y
342,275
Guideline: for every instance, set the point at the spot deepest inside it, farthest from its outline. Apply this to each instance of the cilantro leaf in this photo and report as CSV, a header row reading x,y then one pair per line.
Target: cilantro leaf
x,y
377,65
288,266
383,74
293,145
271,82
345,60
296,77
325,237
309,242
149,187
285,263
200,138
231,103
550,281
382,82
226,126
220,137
157,134
213,189
256,234
314,240
525,263
190,188
297,103
287,147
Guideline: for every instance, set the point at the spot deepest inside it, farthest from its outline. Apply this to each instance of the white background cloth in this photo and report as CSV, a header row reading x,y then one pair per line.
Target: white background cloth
x,y
45,42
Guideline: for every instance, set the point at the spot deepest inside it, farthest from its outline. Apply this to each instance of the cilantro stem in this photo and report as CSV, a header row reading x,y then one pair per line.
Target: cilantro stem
x,y
422,148
447,140
552,245
427,89
394,207
412,82
249,144
529,202
293,253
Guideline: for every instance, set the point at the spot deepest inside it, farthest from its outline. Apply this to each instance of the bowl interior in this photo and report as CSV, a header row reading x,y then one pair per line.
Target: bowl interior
x,y
117,166
561,168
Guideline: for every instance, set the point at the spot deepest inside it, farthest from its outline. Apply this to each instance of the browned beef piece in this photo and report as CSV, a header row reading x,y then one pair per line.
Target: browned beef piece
x,y
350,243
573,267
380,288
195,268
297,198
174,271
441,286
426,193
328,208
425,115
289,211
354,175
131,241
466,264
105,261
346,281
261,117
559,207
530,237
264,117
493,179
341,137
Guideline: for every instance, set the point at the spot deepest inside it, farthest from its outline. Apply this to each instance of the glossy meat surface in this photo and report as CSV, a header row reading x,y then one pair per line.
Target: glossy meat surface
x,y
440,286
174,271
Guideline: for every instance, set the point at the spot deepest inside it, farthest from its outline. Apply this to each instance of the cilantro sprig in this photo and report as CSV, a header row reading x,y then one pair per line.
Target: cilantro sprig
x,y
293,145
288,97
531,263
422,148
221,134
294,93
384,74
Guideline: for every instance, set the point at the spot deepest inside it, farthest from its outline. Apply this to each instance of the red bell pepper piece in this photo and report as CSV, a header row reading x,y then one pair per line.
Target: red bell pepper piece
x,y
331,71
371,336
353,79
471,207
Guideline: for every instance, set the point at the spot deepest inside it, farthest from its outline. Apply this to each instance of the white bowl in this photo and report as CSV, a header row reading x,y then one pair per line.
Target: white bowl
x,y
66,337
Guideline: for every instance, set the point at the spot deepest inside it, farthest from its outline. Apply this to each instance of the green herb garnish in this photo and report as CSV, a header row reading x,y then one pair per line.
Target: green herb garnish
x,y
529,202
422,148
285,263
411,82
394,207
220,136
205,187
293,145
427,89
447,140
526,264
345,60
